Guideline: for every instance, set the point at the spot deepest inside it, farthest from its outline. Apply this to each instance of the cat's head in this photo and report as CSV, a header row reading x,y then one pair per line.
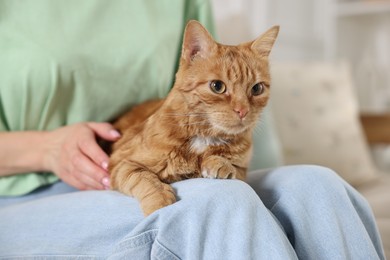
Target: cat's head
x,y
226,87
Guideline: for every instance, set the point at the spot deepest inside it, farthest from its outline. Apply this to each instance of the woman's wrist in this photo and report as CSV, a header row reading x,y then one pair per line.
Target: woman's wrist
x,y
22,152
40,157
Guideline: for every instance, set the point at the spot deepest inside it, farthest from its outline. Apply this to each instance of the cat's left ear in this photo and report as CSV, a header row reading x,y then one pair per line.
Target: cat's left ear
x,y
264,43
197,42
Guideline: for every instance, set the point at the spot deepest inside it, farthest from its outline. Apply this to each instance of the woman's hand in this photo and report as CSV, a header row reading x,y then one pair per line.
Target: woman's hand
x,y
73,154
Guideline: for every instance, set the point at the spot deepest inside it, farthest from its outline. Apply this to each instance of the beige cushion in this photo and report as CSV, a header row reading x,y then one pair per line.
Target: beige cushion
x,y
377,193
384,229
316,117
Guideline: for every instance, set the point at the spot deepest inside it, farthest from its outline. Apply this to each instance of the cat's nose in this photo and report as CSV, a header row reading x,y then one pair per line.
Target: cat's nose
x,y
242,112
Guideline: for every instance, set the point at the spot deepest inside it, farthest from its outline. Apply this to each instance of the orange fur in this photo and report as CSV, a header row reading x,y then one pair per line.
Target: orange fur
x,y
194,132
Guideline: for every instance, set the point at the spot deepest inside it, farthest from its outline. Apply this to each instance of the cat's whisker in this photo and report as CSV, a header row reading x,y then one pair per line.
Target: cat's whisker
x,y
191,124
186,117
204,115
192,117
200,121
193,113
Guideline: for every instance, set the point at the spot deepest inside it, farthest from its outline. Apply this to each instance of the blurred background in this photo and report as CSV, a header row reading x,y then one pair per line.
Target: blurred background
x,y
352,32
330,91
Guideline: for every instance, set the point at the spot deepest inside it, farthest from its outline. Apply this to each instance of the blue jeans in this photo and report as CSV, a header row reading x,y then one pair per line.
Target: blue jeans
x,y
304,212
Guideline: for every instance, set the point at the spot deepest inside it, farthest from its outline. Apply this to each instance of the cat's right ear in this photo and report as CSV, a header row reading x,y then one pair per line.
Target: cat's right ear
x,y
197,42
264,43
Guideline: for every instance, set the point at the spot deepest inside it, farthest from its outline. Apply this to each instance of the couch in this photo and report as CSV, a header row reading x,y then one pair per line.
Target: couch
x,y
317,121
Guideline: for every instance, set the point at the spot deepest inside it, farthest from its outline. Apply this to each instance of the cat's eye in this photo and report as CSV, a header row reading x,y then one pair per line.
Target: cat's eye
x,y
217,86
258,89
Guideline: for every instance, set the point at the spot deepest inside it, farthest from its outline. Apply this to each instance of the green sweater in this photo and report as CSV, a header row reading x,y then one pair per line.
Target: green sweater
x,y
63,62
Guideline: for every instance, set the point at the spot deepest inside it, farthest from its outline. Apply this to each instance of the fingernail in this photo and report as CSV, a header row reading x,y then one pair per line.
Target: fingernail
x,y
105,165
115,134
106,182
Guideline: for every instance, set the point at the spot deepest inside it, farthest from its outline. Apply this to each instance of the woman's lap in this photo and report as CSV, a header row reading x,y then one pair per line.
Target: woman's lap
x,y
212,218
319,210
43,192
87,223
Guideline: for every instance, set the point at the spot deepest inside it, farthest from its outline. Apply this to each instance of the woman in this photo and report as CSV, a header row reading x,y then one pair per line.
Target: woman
x,y
69,66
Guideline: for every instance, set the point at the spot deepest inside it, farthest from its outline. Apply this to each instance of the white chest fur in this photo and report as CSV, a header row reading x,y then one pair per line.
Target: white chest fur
x,y
200,144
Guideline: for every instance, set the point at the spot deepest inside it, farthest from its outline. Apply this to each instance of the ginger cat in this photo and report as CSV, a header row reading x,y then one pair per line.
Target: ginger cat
x,y
203,128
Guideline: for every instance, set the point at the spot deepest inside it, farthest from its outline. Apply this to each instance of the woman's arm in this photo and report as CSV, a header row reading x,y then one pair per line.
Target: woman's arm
x,y
71,152
21,152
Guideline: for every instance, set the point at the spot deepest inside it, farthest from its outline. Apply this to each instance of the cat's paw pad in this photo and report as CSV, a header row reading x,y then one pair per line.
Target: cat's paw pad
x,y
218,168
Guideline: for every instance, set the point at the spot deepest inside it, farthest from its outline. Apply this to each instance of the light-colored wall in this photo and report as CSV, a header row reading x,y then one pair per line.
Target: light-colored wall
x,y
244,20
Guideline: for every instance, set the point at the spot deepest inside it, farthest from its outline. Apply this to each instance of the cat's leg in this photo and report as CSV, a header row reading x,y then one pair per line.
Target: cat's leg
x,y
144,185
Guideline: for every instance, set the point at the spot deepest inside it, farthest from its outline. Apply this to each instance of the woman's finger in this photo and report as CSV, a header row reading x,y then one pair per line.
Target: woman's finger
x,y
72,181
77,183
87,172
105,131
89,147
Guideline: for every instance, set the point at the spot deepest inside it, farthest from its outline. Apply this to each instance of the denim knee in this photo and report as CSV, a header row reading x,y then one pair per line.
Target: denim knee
x,y
234,193
309,179
301,183
217,194
214,218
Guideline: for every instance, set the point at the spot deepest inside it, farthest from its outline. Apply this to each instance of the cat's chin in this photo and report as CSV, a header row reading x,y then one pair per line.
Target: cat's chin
x,y
231,130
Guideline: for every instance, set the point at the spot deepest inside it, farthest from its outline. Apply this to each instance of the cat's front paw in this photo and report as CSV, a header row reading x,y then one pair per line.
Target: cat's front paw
x,y
157,200
217,167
